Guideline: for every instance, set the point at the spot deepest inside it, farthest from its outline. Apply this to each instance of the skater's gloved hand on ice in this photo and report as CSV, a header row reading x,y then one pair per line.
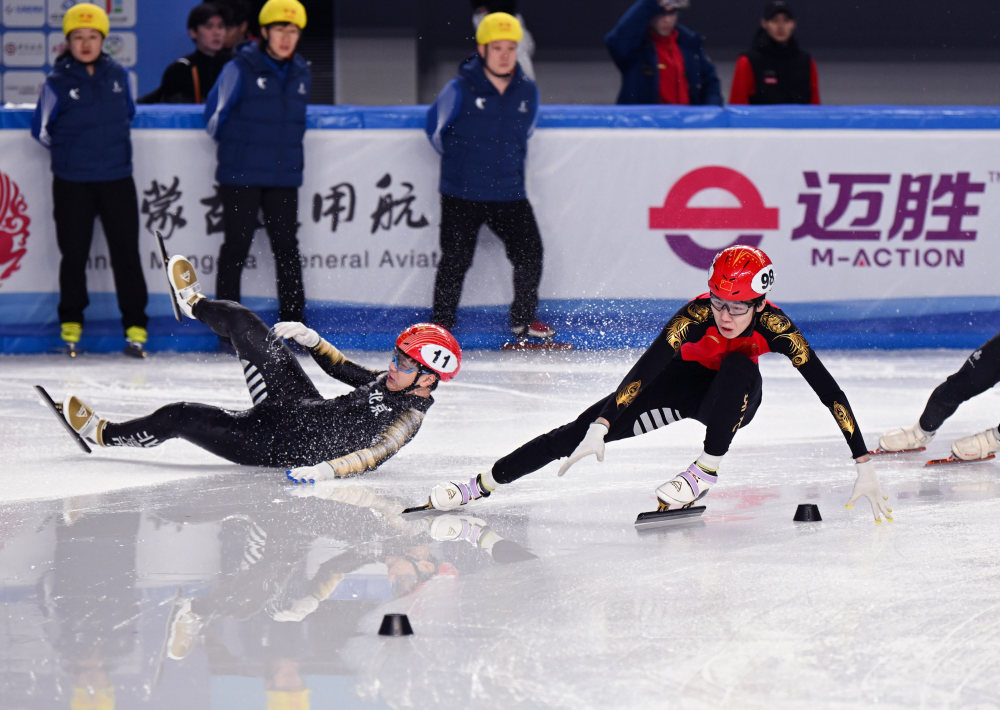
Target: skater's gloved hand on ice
x,y
867,485
300,609
592,443
310,474
293,330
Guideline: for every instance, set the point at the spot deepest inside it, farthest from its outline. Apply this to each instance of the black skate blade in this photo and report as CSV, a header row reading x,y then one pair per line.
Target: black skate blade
x,y
419,511
657,518
536,345
170,289
954,459
51,404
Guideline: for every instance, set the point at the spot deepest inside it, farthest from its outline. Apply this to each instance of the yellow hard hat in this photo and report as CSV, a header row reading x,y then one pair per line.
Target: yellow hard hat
x,y
86,15
283,11
497,26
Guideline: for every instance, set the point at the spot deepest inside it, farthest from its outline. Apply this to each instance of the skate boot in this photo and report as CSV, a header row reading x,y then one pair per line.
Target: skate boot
x,y
910,438
183,630
70,332
184,284
535,329
977,446
83,419
135,341
446,528
686,487
451,495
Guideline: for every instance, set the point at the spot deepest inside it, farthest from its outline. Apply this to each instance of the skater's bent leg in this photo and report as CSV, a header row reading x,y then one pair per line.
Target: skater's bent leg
x,y
980,372
730,402
546,448
270,368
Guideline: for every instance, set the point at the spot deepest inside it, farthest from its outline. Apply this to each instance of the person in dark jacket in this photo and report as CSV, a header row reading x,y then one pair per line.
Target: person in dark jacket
x,y
661,61
189,79
257,113
775,70
83,117
480,124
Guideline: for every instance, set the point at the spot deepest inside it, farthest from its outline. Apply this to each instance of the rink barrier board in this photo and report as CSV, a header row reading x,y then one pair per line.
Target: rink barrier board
x,y
587,323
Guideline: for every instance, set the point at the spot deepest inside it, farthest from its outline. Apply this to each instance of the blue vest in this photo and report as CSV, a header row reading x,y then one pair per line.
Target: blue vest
x,y
260,140
88,125
483,135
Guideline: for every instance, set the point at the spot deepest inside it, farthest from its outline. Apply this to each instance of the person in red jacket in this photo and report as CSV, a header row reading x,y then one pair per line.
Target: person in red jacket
x,y
703,365
775,70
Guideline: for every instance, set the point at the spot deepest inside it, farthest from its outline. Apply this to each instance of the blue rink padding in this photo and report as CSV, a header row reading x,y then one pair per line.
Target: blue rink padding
x,y
625,117
962,323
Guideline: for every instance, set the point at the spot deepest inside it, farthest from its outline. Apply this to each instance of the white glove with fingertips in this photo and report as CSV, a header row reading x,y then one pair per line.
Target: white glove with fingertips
x,y
592,443
300,609
866,485
310,474
299,332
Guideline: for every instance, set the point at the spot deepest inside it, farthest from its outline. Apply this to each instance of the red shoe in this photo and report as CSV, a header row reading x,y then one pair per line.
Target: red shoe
x,y
537,329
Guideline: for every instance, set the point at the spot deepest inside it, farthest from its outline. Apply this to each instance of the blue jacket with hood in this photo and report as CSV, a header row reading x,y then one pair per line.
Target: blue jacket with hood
x,y
635,56
482,135
256,111
84,120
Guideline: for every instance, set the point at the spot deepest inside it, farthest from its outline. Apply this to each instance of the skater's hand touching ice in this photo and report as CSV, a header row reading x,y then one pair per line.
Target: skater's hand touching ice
x,y
310,474
592,443
867,485
299,332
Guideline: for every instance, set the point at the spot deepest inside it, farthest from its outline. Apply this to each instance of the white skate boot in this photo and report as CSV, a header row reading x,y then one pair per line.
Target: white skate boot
x,y
451,495
978,446
446,528
184,283
686,487
909,438
83,419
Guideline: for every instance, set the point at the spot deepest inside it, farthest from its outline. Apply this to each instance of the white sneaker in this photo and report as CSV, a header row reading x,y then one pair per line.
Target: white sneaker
x,y
451,495
977,446
83,419
687,486
908,438
184,283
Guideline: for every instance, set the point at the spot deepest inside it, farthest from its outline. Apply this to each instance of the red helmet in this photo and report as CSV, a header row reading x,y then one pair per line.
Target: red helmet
x,y
740,273
433,347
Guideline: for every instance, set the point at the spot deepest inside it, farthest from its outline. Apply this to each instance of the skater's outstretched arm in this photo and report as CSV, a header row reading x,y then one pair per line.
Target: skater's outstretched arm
x,y
330,359
392,439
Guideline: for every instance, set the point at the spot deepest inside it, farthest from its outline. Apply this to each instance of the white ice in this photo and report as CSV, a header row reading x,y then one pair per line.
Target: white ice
x,y
562,604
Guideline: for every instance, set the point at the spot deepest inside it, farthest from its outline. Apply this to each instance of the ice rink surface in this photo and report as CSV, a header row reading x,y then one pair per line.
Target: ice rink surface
x,y
542,596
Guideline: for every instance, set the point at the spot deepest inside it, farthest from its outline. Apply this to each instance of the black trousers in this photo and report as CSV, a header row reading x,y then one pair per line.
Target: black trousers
x,y
979,373
723,401
280,207
514,223
76,205
276,382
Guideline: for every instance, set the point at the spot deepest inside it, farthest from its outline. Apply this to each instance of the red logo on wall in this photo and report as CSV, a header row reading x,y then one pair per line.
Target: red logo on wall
x,y
676,213
14,223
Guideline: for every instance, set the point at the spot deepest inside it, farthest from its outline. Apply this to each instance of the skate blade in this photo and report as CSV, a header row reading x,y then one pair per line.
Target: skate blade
x,y
882,452
56,408
420,511
658,518
954,459
536,345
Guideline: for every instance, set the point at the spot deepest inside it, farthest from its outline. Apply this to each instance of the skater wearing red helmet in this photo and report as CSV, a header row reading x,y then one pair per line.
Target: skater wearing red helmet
x,y
703,365
290,423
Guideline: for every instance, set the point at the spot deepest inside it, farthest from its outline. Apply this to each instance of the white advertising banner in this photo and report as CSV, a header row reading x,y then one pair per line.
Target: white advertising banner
x,y
846,215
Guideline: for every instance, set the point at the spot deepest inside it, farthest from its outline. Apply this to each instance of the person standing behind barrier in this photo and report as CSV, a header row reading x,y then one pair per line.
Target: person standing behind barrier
x,y
83,117
188,80
775,70
480,124
661,61
257,113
